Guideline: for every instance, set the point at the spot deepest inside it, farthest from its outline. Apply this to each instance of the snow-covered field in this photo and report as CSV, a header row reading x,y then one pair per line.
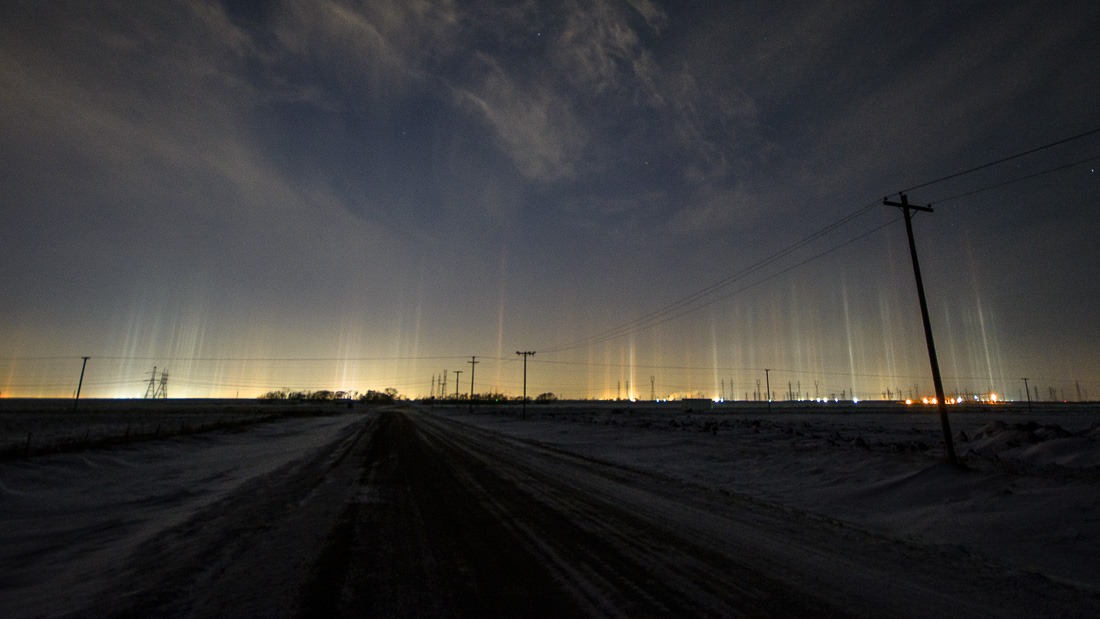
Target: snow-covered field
x,y
69,522
242,521
30,427
1030,496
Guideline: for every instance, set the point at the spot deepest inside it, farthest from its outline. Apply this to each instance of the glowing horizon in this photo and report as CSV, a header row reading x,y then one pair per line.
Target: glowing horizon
x,y
210,187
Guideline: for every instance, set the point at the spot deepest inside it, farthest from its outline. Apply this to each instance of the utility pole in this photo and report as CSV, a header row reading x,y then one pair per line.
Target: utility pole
x,y
473,365
457,374
80,384
1028,392
525,353
768,382
653,390
907,210
443,387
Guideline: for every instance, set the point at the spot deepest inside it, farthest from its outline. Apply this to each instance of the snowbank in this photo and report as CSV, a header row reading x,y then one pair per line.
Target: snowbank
x,y
1029,497
68,521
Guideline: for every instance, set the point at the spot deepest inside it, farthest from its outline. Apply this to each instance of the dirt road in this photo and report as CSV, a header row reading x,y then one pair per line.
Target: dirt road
x,y
420,515
449,522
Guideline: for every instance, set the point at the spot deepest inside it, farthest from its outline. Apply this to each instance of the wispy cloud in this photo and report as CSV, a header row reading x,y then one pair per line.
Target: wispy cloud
x,y
154,151
375,45
535,126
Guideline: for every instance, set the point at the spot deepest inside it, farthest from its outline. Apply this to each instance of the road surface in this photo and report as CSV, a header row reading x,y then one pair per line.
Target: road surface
x,y
415,514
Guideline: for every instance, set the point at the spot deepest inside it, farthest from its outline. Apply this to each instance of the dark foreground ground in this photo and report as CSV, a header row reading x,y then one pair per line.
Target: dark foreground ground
x,y
416,514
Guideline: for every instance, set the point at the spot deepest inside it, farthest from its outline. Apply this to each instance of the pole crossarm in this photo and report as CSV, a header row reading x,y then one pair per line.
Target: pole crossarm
x,y
912,207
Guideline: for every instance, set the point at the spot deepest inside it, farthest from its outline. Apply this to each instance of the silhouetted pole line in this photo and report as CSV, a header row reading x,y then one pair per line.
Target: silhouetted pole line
x,y
473,365
80,384
907,210
458,373
526,353
1028,395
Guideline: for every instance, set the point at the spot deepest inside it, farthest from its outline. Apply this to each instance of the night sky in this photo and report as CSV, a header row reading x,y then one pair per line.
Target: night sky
x,y
360,195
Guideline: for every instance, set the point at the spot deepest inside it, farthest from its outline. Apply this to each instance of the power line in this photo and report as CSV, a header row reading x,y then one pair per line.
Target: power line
x,y
1016,180
659,320
999,161
644,321
662,314
248,359
277,360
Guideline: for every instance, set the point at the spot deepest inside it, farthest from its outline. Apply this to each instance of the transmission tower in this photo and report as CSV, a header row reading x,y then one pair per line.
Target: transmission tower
x,y
162,387
151,390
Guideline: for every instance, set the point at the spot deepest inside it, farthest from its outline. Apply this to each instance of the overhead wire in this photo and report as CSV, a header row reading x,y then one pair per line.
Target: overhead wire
x,y
1016,180
1002,160
695,308
645,320
688,303
662,314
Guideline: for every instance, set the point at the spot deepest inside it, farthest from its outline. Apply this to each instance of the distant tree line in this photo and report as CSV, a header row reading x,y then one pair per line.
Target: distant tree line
x,y
496,397
387,395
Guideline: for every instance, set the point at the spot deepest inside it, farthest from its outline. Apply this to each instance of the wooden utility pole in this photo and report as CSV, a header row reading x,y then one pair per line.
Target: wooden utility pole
x,y
907,210
473,364
1028,392
80,384
457,374
525,353
768,382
